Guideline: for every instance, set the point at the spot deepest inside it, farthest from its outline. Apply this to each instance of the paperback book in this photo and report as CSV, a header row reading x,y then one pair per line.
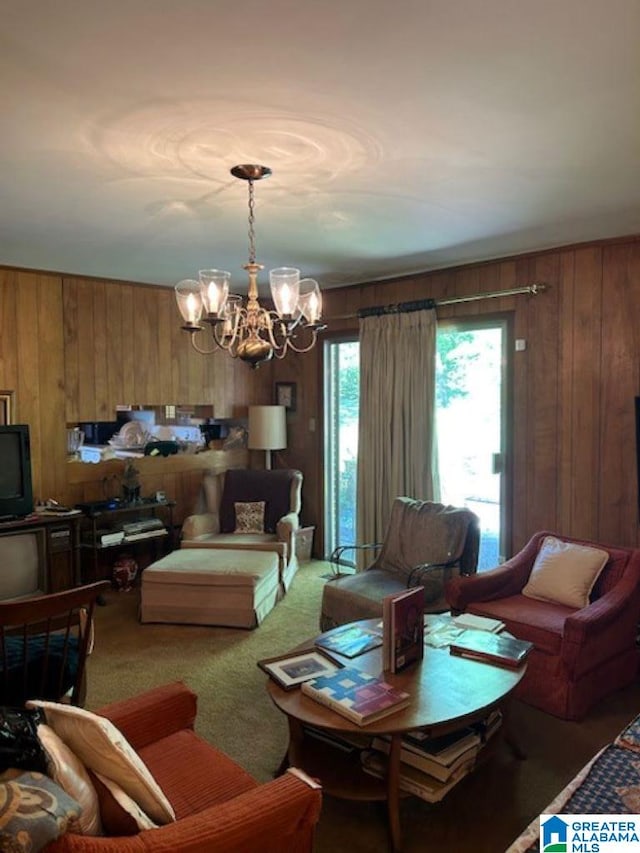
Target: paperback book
x,y
403,628
358,696
350,640
478,623
493,648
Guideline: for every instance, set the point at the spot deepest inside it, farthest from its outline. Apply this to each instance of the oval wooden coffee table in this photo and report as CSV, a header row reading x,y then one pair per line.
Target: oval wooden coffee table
x,y
447,693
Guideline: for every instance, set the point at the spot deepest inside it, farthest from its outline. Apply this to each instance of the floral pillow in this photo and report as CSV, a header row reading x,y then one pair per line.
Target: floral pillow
x,y
249,516
33,812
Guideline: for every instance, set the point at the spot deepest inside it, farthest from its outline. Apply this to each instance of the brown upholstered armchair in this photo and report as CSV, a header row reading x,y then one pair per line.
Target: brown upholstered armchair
x,y
581,654
214,522
426,543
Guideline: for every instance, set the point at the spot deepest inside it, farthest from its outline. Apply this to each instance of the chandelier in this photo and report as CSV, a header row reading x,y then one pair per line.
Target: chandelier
x,y
247,330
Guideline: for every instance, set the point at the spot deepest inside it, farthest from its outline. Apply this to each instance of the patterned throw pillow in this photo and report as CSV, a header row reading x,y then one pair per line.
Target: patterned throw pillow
x,y
249,517
33,812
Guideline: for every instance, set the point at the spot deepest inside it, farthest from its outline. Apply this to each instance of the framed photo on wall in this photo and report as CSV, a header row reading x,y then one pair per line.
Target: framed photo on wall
x,y
286,395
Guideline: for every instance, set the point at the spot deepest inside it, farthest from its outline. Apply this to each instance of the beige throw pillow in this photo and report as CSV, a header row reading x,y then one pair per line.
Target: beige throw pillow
x,y
249,516
104,750
68,771
565,572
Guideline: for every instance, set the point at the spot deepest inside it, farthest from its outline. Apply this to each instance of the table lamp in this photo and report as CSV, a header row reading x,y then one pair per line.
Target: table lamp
x,y
267,430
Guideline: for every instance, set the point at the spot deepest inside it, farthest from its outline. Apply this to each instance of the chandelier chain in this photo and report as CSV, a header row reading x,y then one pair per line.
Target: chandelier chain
x,y
252,233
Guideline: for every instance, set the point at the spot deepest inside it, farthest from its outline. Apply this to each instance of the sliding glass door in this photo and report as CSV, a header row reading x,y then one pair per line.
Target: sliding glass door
x,y
470,414
470,420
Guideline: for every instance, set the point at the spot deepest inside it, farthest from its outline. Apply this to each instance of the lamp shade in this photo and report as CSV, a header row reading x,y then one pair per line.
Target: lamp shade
x,y
267,428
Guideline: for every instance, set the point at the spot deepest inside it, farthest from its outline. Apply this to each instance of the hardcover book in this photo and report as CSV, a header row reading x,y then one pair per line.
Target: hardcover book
x,y
358,696
350,640
413,781
422,760
493,648
444,749
403,628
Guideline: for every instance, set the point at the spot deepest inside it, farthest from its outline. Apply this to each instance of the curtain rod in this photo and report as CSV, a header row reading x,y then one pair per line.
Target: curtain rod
x,y
423,304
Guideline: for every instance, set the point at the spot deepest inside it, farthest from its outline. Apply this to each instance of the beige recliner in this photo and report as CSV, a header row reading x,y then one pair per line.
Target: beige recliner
x,y
214,524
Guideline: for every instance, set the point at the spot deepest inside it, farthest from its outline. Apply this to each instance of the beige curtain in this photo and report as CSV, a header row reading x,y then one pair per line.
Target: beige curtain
x,y
397,448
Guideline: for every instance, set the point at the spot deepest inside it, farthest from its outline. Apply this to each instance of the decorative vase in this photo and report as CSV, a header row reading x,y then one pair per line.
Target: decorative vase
x,y
125,571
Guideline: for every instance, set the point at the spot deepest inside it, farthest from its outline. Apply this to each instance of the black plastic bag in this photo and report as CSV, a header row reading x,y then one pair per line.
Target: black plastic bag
x,y
19,743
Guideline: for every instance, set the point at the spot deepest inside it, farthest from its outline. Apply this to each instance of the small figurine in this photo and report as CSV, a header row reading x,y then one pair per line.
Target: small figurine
x,y
130,483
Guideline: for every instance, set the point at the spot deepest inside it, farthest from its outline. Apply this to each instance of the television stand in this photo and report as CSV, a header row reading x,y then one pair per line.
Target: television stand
x,y
57,544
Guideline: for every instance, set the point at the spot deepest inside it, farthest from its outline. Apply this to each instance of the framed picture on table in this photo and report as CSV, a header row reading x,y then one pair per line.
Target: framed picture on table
x,y
292,669
286,395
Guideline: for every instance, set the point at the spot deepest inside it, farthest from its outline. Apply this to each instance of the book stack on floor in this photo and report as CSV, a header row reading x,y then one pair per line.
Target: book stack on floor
x,y
430,767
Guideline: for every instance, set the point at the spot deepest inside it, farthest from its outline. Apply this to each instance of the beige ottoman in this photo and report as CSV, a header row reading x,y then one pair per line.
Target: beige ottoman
x,y
199,586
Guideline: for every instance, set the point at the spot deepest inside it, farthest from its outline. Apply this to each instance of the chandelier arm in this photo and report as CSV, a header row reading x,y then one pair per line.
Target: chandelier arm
x,y
292,345
281,353
202,351
221,341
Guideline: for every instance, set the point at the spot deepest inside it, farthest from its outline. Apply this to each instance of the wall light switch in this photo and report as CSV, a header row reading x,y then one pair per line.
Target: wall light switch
x,y
312,424
521,345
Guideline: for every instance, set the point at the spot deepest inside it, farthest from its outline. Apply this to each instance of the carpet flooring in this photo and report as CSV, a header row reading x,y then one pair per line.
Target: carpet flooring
x,y
482,814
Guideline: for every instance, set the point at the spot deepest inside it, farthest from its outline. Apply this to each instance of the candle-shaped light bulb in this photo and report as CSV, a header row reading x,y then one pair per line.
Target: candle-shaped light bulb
x,y
313,308
213,298
192,308
286,299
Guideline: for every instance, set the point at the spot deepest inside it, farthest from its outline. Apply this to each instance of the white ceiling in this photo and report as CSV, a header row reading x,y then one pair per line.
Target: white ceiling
x,y
403,136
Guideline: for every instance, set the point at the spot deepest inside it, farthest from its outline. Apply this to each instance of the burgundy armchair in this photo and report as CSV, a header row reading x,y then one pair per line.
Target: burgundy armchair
x,y
580,655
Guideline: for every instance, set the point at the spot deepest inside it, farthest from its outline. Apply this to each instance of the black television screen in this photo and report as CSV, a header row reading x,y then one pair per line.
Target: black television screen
x,y
16,491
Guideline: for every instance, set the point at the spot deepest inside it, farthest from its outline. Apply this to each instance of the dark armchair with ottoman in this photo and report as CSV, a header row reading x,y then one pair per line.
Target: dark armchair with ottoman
x,y
578,602
246,509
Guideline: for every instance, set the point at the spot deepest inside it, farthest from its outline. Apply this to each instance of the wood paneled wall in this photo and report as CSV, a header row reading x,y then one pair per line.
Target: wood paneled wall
x,y
72,349
572,435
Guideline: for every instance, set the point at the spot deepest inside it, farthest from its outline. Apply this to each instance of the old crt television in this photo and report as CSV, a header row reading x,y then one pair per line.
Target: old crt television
x,y
16,491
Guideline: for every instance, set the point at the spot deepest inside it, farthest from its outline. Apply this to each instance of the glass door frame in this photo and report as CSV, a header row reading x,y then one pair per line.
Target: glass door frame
x,y
344,337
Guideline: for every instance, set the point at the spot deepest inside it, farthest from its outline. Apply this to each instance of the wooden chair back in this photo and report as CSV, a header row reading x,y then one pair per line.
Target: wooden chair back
x,y
44,643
